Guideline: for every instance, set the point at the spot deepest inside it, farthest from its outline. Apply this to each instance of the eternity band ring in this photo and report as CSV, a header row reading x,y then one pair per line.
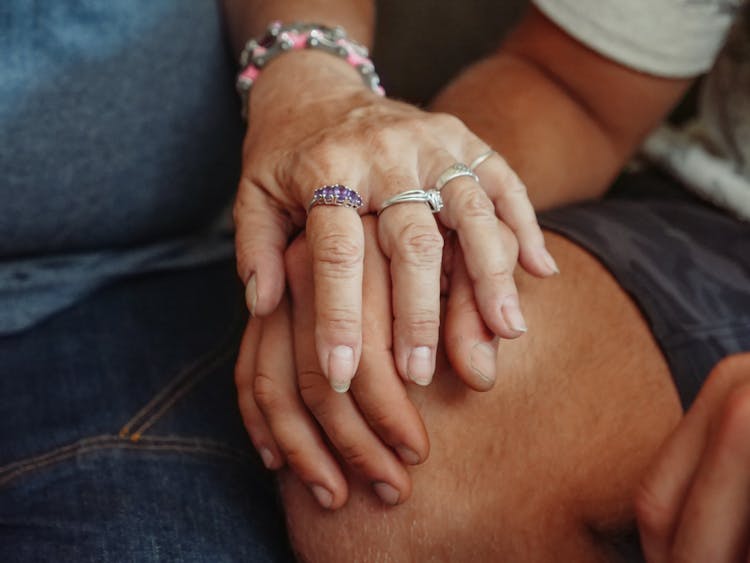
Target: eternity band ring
x,y
431,197
457,170
477,162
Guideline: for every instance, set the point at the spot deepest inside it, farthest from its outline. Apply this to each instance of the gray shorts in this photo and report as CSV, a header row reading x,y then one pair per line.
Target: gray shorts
x,y
685,263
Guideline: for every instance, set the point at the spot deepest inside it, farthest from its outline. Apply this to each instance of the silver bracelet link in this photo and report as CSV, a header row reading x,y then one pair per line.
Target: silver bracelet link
x,y
280,38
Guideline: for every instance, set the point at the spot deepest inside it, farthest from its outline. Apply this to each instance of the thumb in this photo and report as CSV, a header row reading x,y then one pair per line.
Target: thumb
x,y
262,231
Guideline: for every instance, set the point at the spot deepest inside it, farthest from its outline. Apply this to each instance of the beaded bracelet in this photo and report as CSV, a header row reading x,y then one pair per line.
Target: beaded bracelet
x,y
281,38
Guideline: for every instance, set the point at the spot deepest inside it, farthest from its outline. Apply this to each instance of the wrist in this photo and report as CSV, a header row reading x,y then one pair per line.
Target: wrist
x,y
294,81
281,40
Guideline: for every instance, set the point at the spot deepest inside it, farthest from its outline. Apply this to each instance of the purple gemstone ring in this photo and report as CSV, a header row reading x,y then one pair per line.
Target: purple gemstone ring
x,y
336,194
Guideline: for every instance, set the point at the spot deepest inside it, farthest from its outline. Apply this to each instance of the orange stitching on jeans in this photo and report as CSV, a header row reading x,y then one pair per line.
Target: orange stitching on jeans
x,y
178,386
99,443
182,391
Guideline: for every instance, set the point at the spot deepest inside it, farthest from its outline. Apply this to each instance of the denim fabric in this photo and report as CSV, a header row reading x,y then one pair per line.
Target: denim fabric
x,y
120,143
120,438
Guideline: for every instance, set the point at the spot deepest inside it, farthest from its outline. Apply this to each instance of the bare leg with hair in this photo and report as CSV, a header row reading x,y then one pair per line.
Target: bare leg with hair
x,y
541,468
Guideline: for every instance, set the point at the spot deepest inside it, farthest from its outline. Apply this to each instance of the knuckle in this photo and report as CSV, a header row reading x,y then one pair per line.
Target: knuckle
x,y
338,321
315,161
385,139
384,421
500,276
448,122
420,326
296,456
475,204
355,455
420,244
512,184
516,187
654,517
339,253
266,391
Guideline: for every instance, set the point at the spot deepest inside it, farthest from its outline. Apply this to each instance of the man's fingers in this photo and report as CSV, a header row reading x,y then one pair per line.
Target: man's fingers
x,y
470,346
410,238
244,377
714,521
262,230
337,413
664,490
296,433
514,208
337,250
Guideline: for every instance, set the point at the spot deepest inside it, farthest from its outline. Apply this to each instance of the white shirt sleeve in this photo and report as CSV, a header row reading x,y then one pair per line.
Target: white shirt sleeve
x,y
672,38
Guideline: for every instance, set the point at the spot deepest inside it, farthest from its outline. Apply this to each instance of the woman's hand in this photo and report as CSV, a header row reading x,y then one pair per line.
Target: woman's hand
x,y
694,504
312,123
375,429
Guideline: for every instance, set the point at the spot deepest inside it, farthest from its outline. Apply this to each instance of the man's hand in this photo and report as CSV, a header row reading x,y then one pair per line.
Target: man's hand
x,y
694,504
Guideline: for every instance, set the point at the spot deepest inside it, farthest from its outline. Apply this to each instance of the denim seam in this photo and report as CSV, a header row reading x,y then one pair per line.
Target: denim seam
x,y
180,385
95,444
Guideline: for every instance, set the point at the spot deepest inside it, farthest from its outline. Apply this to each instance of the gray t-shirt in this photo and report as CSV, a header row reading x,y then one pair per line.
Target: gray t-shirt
x,y
682,38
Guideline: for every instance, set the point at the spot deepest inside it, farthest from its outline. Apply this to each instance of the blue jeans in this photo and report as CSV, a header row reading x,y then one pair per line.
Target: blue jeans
x,y
120,435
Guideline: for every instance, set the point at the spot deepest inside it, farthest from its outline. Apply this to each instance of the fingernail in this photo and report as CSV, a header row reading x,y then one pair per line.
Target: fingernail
x,y
341,368
419,366
549,261
408,455
267,457
484,360
387,494
251,295
512,314
323,496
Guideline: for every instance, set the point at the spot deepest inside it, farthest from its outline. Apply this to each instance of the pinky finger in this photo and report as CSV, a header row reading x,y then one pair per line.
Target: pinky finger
x,y
470,345
509,195
244,378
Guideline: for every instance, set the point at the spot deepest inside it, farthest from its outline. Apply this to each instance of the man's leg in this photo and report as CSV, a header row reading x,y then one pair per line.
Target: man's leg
x,y
541,468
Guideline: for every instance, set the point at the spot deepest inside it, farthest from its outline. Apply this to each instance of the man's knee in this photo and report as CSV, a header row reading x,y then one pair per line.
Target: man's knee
x,y
534,468
454,515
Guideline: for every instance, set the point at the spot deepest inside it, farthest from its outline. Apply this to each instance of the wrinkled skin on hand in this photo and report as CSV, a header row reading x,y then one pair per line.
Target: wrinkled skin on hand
x,y
323,127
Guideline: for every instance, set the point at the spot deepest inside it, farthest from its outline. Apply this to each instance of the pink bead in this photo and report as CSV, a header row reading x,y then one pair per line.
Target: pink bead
x,y
252,72
299,40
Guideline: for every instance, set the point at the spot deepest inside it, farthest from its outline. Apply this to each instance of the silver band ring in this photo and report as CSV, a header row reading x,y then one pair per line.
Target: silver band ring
x,y
431,197
335,194
476,163
457,170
